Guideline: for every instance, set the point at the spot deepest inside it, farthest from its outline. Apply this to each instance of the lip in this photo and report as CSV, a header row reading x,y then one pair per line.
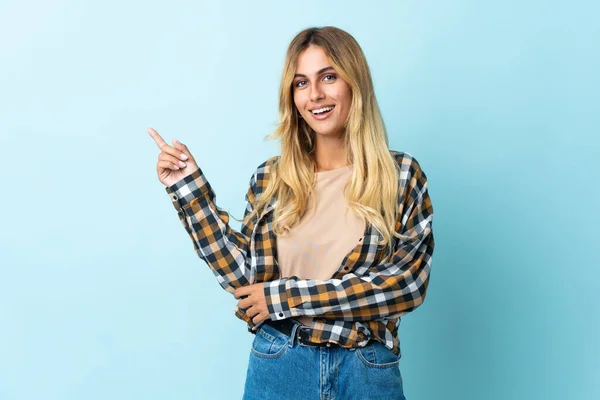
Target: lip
x,y
318,107
322,116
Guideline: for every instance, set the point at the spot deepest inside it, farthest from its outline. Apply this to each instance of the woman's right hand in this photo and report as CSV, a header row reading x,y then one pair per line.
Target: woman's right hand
x,y
174,162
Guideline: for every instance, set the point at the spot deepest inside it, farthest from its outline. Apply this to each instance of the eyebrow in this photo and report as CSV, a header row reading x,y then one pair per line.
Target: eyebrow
x,y
319,72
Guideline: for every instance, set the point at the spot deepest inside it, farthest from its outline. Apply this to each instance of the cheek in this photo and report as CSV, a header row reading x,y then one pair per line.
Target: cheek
x,y
299,100
347,95
342,95
346,99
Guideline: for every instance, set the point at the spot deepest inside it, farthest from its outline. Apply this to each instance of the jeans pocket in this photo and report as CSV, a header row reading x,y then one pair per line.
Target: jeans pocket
x,y
269,343
377,355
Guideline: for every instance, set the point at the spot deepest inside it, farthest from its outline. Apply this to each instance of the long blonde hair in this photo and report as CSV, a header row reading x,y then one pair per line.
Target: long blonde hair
x,y
372,190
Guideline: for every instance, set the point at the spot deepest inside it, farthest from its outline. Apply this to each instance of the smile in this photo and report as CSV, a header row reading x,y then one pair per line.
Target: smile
x,y
322,113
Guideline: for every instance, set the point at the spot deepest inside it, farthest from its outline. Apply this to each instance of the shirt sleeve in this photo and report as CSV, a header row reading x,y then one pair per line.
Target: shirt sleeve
x,y
225,250
387,290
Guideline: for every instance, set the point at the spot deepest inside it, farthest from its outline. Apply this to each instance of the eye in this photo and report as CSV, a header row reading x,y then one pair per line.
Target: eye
x,y
333,78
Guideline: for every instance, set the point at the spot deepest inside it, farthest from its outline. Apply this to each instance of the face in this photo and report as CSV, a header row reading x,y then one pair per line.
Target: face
x,y
317,87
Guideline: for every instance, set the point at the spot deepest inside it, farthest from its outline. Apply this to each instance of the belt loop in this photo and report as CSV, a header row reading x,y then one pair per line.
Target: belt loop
x,y
293,333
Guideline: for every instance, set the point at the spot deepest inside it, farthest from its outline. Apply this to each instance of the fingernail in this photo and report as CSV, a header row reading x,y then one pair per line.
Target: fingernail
x,y
182,163
183,156
177,141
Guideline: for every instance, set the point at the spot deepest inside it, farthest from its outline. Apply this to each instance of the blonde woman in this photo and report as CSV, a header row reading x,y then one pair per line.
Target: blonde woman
x,y
336,241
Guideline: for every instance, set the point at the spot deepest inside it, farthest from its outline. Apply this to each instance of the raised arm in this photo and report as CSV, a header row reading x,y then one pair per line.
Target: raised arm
x,y
225,250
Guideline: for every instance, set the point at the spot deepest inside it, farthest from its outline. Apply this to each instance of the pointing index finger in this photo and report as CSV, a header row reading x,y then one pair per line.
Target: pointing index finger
x,y
157,138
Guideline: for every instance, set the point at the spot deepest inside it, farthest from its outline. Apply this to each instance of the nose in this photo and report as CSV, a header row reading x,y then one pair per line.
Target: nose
x,y
316,93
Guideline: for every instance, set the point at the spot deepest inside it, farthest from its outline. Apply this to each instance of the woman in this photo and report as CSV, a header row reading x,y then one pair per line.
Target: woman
x,y
322,288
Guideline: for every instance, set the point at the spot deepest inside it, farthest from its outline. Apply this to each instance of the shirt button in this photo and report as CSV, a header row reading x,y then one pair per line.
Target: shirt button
x,y
328,344
281,314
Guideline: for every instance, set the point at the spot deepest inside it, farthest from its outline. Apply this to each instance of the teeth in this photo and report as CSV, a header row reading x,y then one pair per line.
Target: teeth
x,y
322,110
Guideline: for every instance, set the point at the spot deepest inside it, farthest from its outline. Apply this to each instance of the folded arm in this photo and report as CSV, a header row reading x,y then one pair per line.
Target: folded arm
x,y
388,290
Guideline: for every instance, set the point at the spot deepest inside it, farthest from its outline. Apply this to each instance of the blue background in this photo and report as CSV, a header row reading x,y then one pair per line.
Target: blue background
x,y
101,293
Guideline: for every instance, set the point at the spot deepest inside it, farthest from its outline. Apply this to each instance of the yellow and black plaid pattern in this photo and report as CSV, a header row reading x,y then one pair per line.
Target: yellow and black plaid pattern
x,y
364,299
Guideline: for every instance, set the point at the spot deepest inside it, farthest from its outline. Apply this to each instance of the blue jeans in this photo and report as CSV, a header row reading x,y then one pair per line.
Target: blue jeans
x,y
280,368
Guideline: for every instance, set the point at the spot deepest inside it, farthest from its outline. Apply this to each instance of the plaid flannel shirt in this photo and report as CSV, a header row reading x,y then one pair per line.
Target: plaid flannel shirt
x,y
365,297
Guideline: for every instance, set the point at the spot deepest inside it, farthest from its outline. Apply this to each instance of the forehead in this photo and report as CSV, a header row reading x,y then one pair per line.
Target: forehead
x,y
311,60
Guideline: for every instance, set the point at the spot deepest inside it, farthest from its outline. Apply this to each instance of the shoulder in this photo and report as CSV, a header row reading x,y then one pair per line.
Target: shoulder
x,y
409,166
268,163
263,169
260,177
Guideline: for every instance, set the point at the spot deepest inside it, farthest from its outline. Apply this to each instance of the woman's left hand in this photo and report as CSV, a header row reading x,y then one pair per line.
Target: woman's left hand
x,y
254,303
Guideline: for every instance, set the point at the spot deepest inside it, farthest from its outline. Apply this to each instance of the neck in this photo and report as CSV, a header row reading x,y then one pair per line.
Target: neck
x,y
330,152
